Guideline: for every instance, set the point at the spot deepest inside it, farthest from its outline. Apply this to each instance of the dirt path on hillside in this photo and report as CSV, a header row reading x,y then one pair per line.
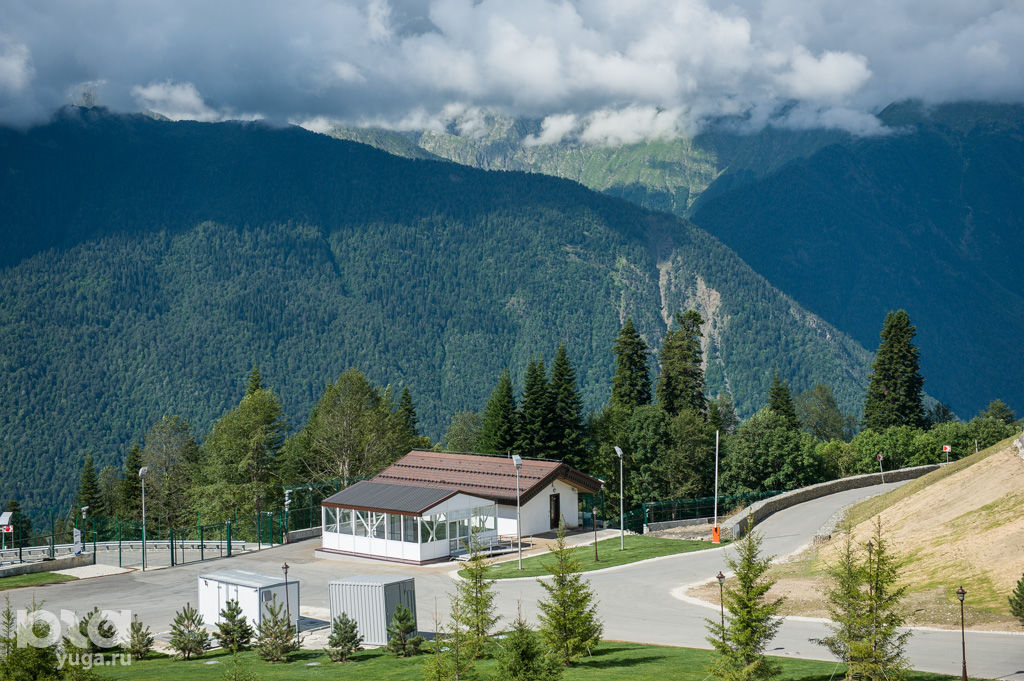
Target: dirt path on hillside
x,y
964,529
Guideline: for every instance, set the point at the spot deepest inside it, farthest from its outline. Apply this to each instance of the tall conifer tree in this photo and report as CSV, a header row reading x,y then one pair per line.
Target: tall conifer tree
x,y
535,414
567,413
501,419
130,502
895,389
681,382
631,384
89,489
780,399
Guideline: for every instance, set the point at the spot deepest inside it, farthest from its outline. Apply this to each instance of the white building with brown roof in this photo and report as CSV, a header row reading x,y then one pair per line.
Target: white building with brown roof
x,y
424,507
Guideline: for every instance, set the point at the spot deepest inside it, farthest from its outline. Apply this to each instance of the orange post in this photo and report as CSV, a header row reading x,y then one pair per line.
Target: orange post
x,y
716,535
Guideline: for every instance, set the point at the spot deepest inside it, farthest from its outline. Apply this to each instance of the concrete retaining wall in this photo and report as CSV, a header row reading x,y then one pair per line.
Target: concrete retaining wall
x,y
48,565
760,510
669,524
298,535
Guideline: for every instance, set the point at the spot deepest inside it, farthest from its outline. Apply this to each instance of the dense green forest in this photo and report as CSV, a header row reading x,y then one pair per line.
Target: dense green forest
x,y
149,265
926,218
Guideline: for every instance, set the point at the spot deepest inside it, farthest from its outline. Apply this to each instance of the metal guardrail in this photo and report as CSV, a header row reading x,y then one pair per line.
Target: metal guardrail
x,y
41,552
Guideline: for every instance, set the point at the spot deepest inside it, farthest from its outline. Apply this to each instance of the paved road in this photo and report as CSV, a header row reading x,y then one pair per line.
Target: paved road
x,y
636,601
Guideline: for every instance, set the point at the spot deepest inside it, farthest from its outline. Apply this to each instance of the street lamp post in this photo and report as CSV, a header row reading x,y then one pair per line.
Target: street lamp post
x,y
721,600
593,516
287,604
517,461
142,476
960,593
622,514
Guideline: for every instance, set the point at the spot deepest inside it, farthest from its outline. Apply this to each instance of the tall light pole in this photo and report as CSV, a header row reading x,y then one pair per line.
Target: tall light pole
x,y
517,461
716,534
287,605
960,593
142,476
622,513
721,599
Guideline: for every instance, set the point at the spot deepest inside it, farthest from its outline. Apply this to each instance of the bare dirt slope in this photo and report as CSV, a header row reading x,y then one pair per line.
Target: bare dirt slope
x,y
963,525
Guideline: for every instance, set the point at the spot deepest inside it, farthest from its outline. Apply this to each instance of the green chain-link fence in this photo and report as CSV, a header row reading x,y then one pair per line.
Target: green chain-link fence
x,y
636,519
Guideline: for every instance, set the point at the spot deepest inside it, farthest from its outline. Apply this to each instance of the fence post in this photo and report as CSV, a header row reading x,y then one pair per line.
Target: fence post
x,y
170,534
119,545
202,546
228,523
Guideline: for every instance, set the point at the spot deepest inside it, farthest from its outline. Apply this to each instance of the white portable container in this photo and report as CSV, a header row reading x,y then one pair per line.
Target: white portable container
x,y
253,592
371,601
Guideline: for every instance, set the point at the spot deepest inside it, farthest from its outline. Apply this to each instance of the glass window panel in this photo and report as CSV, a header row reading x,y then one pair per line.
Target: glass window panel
x,y
409,528
362,524
394,527
345,520
378,524
426,530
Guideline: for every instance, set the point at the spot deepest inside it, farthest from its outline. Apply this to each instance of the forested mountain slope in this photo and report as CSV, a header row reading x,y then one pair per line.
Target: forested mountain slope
x,y
148,265
929,219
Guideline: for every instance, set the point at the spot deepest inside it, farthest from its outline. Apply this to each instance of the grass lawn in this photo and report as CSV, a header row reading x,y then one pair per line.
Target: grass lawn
x,y
638,547
33,579
611,660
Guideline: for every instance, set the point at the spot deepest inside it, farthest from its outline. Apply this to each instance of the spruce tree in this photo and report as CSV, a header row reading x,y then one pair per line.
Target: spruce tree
x,y
276,635
846,598
1017,600
188,635
681,382
753,618
130,503
344,639
89,489
569,436
895,387
568,617
406,413
140,639
500,428
453,650
631,384
234,632
255,381
887,637
781,402
402,638
475,594
522,657
535,414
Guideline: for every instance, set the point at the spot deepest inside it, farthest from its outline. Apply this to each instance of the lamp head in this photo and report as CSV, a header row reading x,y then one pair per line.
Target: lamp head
x,y
720,577
517,461
143,471
618,451
960,593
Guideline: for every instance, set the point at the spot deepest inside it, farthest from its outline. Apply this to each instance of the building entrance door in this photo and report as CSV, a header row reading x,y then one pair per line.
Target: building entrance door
x,y
556,510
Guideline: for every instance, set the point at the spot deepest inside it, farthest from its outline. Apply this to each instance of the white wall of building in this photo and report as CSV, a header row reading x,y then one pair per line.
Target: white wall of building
x,y
535,513
396,549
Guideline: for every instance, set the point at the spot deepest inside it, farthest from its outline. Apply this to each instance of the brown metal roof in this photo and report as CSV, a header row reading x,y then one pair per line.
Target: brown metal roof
x,y
367,495
490,477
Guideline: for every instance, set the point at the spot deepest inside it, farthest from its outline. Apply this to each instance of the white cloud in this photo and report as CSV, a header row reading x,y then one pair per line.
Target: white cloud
x,y
833,75
15,66
631,125
182,102
394,60
553,129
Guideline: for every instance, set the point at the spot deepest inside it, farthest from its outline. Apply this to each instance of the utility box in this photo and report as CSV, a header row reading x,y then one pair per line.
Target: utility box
x,y
371,601
253,592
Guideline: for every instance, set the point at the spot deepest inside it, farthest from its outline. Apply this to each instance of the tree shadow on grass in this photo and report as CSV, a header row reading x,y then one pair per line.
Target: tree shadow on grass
x,y
599,659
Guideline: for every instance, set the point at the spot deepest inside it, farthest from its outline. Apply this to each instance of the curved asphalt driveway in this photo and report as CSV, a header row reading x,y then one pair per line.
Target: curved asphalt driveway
x,y
636,601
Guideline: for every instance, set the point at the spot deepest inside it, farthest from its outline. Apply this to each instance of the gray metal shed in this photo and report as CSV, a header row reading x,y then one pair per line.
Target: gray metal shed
x,y
371,601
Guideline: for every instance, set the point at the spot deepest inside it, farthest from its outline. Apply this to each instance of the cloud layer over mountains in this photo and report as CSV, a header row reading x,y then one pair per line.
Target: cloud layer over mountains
x,y
598,70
